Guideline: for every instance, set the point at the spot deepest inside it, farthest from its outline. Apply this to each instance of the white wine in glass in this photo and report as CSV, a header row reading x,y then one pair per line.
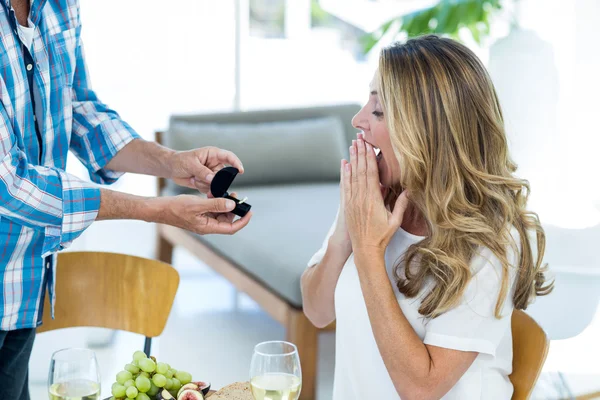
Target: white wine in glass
x,y
74,375
275,372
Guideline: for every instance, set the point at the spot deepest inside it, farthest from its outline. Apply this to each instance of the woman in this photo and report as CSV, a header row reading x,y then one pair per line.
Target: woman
x,y
432,247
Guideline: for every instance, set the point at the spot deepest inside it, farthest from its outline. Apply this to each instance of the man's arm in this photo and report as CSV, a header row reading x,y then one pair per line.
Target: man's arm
x,y
189,212
45,199
193,168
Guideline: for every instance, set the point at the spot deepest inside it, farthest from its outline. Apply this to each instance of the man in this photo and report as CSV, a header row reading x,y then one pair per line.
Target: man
x,y
46,108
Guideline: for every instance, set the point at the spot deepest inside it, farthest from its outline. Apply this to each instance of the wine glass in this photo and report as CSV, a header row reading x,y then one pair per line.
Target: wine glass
x,y
275,372
74,374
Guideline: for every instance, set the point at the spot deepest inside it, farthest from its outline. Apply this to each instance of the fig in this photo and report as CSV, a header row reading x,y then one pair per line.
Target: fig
x,y
190,395
164,395
188,386
204,387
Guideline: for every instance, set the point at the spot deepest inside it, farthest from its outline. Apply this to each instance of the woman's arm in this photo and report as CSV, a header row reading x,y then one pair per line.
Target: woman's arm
x,y
319,282
419,371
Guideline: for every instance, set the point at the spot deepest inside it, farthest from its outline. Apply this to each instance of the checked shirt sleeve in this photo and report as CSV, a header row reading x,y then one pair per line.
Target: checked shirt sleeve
x,y
43,198
98,132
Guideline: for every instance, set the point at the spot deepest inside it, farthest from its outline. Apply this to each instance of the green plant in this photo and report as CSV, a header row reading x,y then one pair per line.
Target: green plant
x,y
445,18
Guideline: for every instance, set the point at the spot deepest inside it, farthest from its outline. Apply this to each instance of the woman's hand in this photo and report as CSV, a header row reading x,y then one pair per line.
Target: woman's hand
x,y
341,236
370,224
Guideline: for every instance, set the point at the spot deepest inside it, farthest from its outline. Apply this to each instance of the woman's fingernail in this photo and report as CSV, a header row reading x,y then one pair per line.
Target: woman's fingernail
x,y
347,167
230,204
368,146
352,150
209,178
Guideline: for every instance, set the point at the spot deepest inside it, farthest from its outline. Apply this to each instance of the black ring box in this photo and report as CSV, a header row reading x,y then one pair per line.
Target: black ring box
x,y
220,185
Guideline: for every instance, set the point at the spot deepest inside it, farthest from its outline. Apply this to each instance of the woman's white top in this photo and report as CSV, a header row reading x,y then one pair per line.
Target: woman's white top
x,y
472,326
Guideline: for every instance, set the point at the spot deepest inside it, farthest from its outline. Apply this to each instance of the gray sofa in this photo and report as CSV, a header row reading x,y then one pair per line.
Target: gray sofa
x,y
292,162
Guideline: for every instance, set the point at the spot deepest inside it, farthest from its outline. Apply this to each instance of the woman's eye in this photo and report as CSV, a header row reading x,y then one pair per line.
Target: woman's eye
x,y
378,114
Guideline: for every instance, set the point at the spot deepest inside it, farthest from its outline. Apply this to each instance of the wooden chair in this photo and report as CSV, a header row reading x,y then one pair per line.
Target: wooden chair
x,y
114,291
530,348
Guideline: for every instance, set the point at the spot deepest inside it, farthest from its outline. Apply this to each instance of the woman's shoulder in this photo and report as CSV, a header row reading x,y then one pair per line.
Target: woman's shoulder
x,y
485,257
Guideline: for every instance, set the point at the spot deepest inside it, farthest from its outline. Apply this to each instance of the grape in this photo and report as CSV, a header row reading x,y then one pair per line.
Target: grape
x,y
142,396
159,380
139,355
153,390
184,377
118,390
136,363
176,384
169,384
130,382
147,365
169,374
134,369
123,377
162,368
147,375
143,384
131,392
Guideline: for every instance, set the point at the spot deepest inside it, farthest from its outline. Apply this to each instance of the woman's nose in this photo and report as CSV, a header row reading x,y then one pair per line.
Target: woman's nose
x,y
359,122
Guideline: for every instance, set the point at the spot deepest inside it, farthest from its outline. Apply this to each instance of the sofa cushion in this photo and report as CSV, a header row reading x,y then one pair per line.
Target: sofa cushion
x,y
289,225
307,150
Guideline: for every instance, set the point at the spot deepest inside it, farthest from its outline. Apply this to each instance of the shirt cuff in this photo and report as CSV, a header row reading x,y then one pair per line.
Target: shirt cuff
x,y
118,134
81,203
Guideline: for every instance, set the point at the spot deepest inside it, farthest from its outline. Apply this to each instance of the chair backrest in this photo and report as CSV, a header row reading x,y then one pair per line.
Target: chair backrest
x,y
109,290
530,348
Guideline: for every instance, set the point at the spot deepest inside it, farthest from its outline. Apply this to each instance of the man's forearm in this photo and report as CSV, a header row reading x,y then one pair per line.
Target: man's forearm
x,y
143,157
118,205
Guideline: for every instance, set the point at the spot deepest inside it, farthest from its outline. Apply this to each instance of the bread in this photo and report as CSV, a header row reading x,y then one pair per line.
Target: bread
x,y
235,391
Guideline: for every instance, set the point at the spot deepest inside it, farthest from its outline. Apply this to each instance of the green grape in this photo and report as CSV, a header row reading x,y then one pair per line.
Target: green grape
x,y
169,374
131,392
143,384
142,396
159,380
130,382
169,384
162,368
153,390
123,377
147,365
134,369
176,384
173,393
173,370
184,377
136,363
139,355
118,390
145,374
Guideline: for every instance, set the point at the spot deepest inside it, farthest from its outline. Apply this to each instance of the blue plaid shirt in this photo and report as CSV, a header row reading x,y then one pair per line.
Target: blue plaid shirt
x,y
42,207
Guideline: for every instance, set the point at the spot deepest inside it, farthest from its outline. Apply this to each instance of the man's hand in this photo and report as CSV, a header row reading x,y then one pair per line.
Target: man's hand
x,y
200,215
196,168
190,212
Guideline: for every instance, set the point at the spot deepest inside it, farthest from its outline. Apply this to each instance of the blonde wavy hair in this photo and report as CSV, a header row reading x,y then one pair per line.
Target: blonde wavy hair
x,y
447,131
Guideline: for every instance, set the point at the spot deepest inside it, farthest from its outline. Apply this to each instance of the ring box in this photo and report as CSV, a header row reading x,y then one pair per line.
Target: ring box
x,y
220,185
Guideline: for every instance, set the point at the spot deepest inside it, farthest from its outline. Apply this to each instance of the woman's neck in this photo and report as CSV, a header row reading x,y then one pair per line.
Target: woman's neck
x,y
414,222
